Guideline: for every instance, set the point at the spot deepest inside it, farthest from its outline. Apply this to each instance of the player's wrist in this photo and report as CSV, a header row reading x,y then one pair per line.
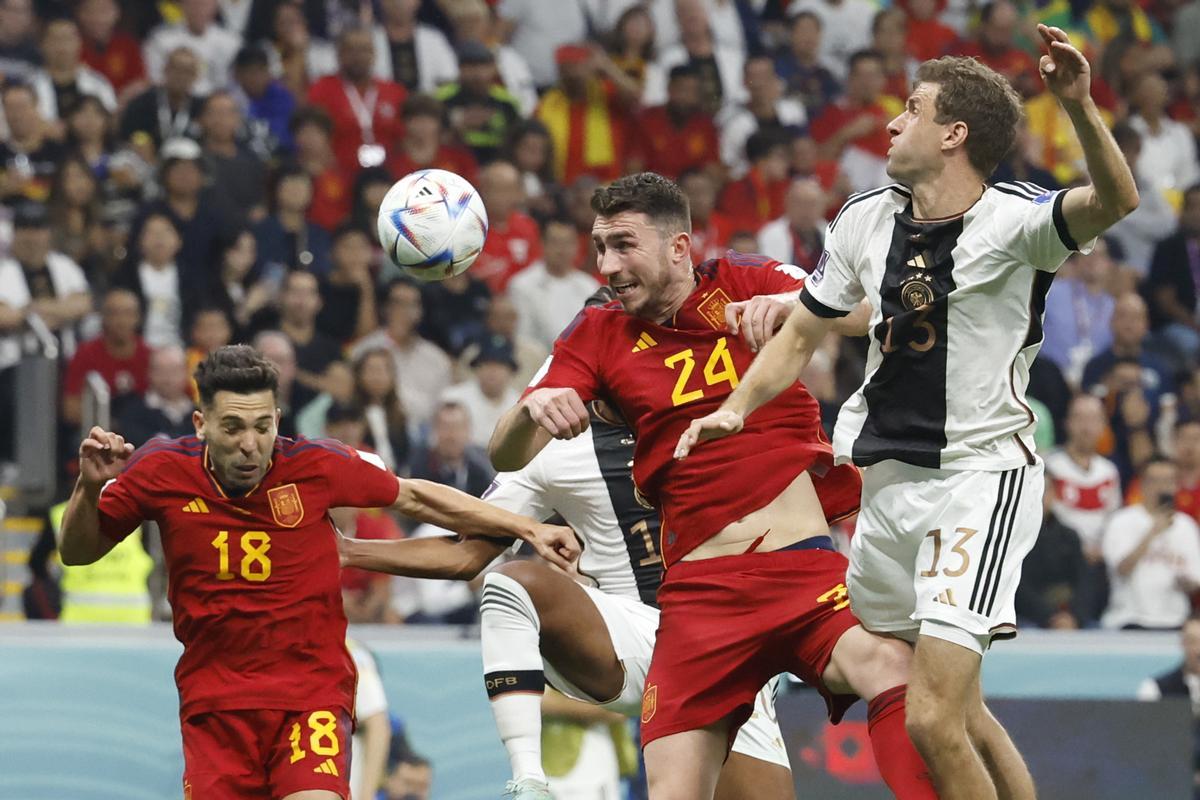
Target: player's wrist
x,y
89,489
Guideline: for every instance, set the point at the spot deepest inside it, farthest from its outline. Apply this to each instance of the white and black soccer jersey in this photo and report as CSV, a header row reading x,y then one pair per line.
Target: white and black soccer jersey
x,y
957,321
587,481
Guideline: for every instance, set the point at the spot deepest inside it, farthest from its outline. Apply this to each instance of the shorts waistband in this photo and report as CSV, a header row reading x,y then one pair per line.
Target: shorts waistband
x,y
744,561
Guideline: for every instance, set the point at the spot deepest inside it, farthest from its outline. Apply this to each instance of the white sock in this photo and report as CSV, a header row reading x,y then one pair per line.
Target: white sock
x,y
512,671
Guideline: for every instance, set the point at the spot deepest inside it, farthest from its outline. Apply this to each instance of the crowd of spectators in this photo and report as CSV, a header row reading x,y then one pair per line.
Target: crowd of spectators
x,y
175,176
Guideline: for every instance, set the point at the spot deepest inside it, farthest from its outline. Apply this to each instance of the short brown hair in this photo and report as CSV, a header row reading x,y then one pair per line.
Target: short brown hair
x,y
649,193
972,93
236,368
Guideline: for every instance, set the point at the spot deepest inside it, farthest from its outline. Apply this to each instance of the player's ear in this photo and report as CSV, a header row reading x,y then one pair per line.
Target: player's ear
x,y
198,422
681,247
955,135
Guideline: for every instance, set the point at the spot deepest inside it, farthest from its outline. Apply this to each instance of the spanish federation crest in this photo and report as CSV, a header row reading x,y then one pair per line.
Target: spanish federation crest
x,y
649,702
712,308
286,507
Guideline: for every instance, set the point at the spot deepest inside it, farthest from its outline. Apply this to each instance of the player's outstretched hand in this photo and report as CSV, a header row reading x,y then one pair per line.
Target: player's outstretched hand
x,y
557,544
559,411
756,319
1064,69
721,422
102,456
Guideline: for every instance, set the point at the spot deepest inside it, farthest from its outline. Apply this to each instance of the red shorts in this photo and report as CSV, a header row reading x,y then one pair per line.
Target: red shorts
x,y
265,755
730,624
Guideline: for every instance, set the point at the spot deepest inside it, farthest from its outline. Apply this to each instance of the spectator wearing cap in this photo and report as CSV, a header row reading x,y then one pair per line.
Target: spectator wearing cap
x,y
765,109
200,224
28,155
719,66
235,173
159,281
853,130
797,237
587,113
213,44
489,392
481,113
286,237
449,457
994,45
312,133
19,55
365,109
423,145
167,109
118,354
845,29
710,227
415,55
513,242
799,66
475,21
267,105
757,198
1172,286
550,291
64,78
676,136
297,57
165,409
107,49
423,368
34,280
536,29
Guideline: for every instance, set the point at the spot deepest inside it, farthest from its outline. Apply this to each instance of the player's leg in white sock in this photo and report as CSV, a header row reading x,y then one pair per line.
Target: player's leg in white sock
x,y
512,671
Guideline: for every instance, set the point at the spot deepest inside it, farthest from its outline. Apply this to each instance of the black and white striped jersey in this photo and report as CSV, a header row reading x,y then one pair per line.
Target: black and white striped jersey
x,y
587,481
957,321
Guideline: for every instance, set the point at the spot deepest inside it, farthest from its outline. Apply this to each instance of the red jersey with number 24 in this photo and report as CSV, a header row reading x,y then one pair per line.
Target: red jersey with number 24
x,y
254,581
664,376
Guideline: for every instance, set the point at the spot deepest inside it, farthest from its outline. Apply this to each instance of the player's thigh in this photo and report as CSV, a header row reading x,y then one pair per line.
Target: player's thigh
x,y
309,751
758,764
866,664
222,758
969,562
574,637
685,765
630,626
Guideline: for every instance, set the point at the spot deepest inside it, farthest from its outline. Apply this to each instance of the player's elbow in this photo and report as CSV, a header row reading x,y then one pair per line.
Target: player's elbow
x,y
75,555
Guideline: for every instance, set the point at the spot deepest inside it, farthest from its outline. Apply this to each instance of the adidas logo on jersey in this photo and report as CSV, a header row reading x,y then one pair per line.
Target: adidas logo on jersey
x,y
327,767
197,506
946,597
644,342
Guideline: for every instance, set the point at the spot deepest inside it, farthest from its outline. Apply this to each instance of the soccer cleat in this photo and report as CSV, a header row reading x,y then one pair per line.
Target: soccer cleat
x,y
527,789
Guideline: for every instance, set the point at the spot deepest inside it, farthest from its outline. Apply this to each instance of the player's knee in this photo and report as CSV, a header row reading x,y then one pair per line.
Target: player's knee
x,y
931,721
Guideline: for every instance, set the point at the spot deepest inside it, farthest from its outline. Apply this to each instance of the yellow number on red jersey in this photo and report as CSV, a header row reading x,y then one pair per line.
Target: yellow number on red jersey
x,y
718,369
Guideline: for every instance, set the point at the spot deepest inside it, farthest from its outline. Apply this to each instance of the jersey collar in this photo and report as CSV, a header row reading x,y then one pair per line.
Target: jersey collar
x,y
216,482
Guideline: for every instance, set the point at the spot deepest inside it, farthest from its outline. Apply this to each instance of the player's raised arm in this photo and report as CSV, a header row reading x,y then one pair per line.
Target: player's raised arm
x,y
530,424
449,508
443,557
777,367
1088,210
102,456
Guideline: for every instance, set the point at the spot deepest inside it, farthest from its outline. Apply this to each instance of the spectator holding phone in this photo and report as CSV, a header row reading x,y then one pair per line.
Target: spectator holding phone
x,y
1153,556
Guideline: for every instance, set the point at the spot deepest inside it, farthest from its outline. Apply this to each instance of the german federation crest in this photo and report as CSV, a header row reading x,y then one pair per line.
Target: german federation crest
x,y
286,507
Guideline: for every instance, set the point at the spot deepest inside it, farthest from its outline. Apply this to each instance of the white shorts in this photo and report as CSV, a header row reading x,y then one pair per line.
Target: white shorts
x,y
939,552
632,626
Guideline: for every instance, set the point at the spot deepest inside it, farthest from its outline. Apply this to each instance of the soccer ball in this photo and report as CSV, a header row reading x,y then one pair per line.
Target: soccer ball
x,y
432,224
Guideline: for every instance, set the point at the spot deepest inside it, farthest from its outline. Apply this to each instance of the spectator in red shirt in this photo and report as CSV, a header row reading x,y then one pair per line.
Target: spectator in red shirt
x,y
312,132
422,146
710,228
927,36
853,131
365,110
888,36
757,198
994,46
513,241
113,53
118,354
679,135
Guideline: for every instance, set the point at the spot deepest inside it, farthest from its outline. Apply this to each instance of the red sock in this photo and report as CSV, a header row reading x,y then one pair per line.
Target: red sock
x,y
900,764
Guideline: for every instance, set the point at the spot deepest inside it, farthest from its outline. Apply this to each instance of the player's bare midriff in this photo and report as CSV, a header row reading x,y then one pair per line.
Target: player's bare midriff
x,y
794,515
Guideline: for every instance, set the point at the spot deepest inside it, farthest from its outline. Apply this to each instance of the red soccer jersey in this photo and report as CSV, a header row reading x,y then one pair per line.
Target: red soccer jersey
x,y
752,202
331,199
254,580
120,60
449,157
669,149
664,376
836,116
386,125
509,248
123,375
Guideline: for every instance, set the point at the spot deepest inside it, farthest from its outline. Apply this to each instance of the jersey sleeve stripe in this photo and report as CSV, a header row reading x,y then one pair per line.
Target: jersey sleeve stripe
x,y
1060,223
330,445
818,308
1017,191
856,198
1033,187
166,448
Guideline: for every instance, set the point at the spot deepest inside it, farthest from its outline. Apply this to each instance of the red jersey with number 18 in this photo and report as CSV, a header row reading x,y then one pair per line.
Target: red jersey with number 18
x,y
664,376
254,581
